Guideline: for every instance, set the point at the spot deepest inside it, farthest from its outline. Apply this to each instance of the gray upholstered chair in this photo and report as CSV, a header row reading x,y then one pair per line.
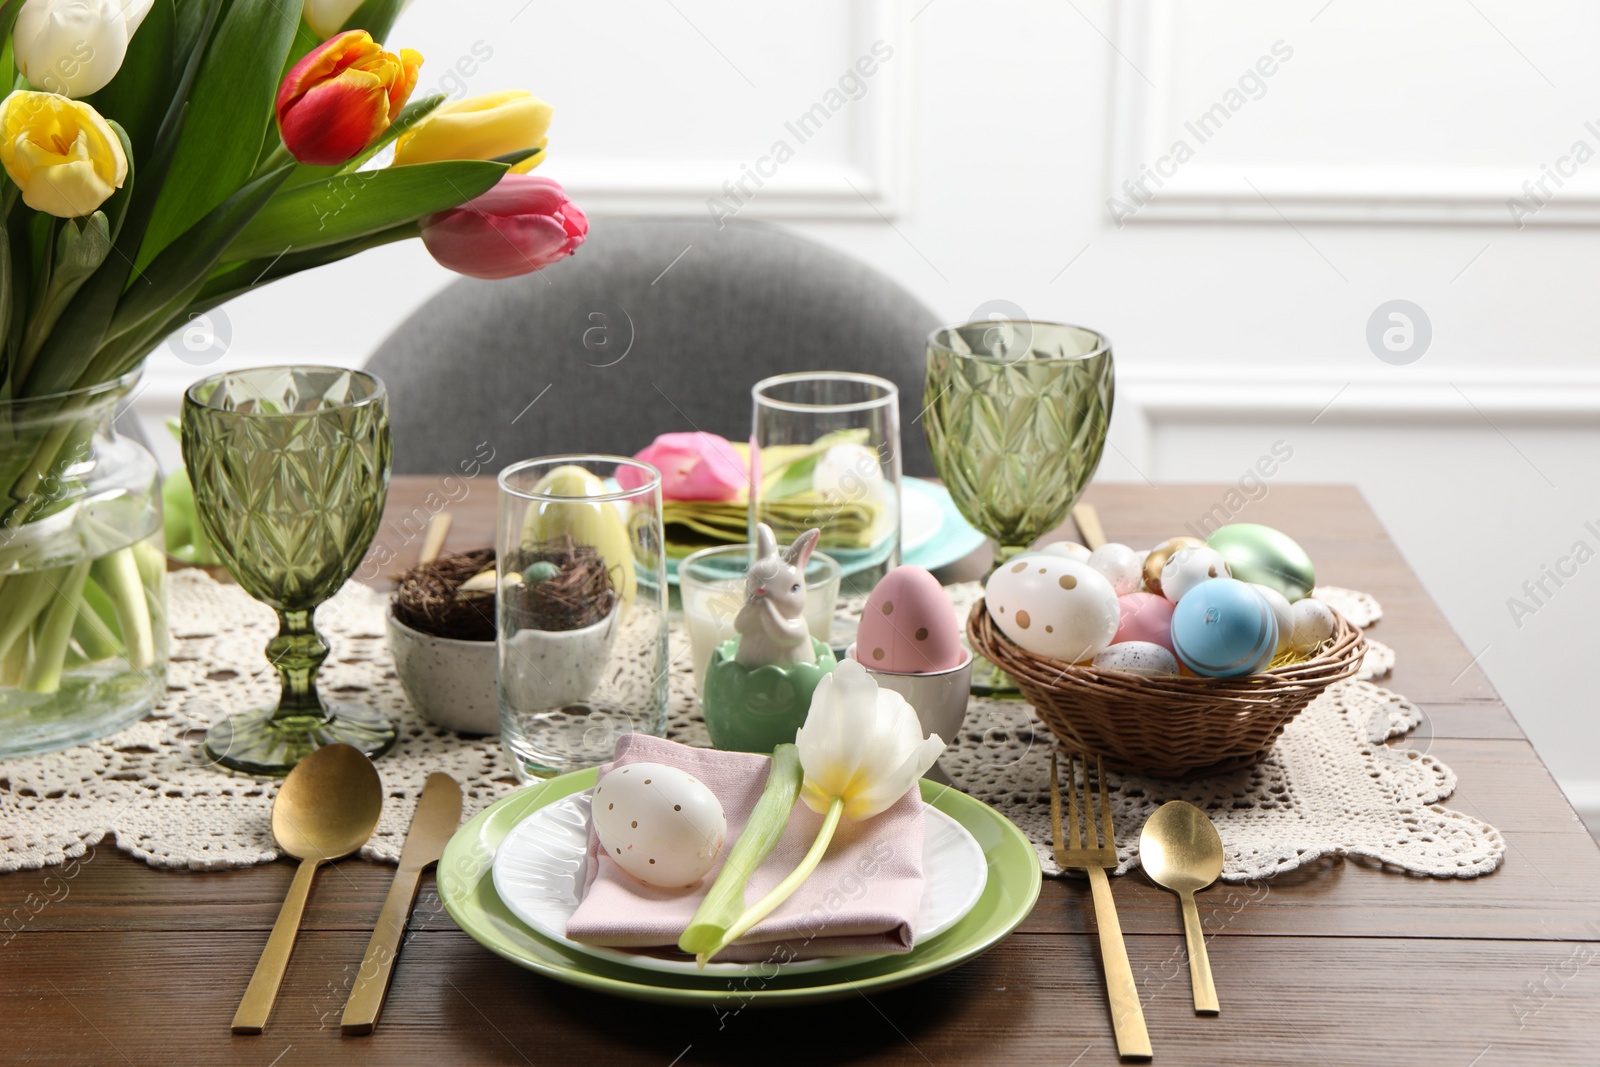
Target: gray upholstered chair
x,y
655,325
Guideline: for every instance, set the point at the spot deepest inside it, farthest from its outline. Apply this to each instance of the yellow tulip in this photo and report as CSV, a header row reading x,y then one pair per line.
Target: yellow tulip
x,y
479,127
65,158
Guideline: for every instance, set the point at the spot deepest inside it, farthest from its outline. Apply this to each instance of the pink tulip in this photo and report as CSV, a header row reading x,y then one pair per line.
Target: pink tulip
x,y
693,466
523,224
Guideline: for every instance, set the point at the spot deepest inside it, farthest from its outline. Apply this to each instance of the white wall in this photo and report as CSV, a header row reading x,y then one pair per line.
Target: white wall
x,y
1373,163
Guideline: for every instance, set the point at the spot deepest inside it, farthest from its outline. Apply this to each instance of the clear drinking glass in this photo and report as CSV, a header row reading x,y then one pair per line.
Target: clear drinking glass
x,y
825,452
582,610
290,467
711,585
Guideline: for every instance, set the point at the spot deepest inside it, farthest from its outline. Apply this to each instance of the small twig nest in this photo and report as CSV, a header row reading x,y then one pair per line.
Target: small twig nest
x,y
430,599
565,586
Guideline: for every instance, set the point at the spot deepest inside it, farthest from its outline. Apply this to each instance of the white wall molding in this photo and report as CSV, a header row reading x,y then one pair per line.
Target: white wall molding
x,y
1301,191
872,185
1177,393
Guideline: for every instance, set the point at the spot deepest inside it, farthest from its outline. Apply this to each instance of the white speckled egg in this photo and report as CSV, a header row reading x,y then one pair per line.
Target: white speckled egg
x,y
1282,611
1121,566
1066,550
1137,657
1190,566
660,824
1314,623
1055,607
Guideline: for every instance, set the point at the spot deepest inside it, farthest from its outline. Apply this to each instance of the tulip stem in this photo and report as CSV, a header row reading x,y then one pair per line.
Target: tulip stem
x,y
784,889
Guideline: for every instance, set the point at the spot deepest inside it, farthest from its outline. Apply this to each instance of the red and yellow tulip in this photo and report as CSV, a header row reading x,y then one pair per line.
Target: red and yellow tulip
x,y
342,96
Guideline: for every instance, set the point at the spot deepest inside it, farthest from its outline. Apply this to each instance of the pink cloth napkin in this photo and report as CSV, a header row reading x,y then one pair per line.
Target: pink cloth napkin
x,y
863,898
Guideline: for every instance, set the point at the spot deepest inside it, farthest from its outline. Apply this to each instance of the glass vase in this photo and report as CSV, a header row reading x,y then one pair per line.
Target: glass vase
x,y
83,593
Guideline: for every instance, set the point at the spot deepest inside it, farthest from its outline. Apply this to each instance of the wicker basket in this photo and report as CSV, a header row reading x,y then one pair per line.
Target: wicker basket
x,y
1167,727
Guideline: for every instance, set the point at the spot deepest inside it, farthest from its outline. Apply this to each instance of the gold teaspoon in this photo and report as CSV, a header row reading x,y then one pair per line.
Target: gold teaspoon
x,y
1180,849
326,808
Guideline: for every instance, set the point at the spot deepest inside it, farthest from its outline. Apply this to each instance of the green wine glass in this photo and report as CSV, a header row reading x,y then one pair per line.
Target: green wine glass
x,y
1016,415
290,467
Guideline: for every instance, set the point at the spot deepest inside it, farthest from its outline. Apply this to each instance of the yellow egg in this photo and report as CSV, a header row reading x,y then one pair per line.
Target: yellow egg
x,y
599,524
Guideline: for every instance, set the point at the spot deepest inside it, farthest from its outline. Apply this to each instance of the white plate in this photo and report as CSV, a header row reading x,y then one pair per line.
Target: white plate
x,y
539,874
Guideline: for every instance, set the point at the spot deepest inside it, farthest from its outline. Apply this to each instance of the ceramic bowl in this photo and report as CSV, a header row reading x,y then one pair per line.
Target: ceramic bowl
x,y
450,682
556,668
940,700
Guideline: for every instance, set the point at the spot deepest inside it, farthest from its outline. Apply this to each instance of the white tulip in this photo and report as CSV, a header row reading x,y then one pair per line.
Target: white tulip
x,y
327,17
75,47
861,745
861,749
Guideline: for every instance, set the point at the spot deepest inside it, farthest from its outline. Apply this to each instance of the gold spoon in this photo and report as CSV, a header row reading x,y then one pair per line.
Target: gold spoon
x,y
326,808
1180,849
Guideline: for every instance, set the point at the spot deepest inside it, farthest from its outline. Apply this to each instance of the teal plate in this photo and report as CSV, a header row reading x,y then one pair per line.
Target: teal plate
x,y
466,885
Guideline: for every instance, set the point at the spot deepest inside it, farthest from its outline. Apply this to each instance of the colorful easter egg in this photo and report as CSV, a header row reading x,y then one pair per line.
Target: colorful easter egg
x,y
596,523
1188,567
1053,607
1137,657
1144,617
1158,556
1222,628
909,625
1265,556
1120,564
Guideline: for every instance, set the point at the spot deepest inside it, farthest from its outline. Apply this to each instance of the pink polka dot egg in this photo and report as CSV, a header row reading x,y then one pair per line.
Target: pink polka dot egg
x,y
909,625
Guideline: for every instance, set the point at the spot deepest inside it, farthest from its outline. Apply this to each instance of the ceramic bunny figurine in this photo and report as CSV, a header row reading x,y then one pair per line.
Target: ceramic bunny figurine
x,y
772,625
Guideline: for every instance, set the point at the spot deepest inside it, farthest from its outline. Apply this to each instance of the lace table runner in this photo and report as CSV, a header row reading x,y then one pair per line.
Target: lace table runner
x,y
1331,785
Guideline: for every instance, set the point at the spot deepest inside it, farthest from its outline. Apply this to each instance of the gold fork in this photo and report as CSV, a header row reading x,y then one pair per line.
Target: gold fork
x,y
1127,1017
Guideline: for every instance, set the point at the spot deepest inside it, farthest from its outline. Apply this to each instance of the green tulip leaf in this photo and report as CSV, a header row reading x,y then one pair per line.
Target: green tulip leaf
x,y
139,94
228,112
348,206
511,159
186,263
376,17
68,349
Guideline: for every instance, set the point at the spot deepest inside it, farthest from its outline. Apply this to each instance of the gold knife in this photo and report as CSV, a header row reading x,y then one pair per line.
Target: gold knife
x,y
437,816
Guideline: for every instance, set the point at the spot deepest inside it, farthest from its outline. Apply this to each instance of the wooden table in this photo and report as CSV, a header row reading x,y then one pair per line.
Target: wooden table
x,y
1344,964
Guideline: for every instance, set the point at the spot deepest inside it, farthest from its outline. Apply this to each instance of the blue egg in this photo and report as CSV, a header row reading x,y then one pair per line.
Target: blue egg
x,y
1222,629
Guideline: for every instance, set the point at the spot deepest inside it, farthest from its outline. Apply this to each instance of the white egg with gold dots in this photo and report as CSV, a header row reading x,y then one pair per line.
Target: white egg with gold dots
x,y
1188,567
1053,606
660,824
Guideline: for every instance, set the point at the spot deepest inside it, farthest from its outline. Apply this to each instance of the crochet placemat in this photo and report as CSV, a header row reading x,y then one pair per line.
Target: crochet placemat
x,y
1331,785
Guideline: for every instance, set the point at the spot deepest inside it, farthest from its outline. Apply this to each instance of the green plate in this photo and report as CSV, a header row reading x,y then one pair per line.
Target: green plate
x,y
466,885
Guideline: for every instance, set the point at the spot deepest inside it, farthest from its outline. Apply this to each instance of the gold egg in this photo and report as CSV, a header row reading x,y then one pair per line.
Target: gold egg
x,y
1158,558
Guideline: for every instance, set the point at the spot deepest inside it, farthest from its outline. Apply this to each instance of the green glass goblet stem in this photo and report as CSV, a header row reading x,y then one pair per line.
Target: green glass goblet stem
x,y
1016,414
290,468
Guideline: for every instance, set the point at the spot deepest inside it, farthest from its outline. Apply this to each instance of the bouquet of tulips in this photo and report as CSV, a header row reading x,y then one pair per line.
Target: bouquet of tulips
x,y
160,158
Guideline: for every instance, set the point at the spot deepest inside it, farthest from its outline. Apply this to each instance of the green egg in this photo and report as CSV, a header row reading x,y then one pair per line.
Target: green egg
x,y
538,572
1265,556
